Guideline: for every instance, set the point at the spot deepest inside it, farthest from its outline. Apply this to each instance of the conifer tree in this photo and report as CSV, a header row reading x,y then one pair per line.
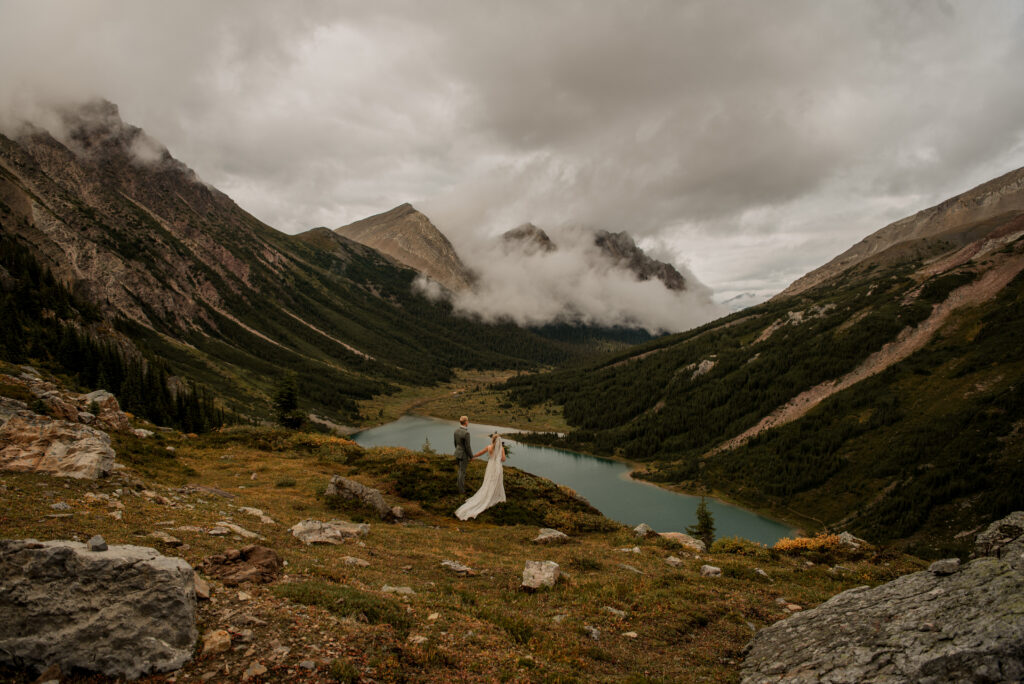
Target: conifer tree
x,y
704,530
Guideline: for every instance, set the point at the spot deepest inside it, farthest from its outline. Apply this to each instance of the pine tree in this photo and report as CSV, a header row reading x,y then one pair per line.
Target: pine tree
x,y
286,403
704,530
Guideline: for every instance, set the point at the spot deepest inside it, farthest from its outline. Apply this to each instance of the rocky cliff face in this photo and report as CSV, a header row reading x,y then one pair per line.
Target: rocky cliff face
x,y
408,237
949,225
622,249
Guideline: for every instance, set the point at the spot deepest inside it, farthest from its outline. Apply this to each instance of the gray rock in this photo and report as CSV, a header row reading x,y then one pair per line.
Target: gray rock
x,y
537,574
631,568
673,561
58,447
684,540
614,611
592,632
923,627
352,560
851,541
124,612
350,490
458,568
1003,539
165,538
257,513
401,591
97,543
710,571
643,530
307,665
550,536
60,506
330,532
946,566
142,433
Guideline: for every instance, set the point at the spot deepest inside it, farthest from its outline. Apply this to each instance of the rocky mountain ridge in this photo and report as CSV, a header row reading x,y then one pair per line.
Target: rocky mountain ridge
x,y
957,221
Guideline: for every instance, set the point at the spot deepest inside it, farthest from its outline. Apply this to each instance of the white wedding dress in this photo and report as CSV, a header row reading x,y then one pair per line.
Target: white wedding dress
x,y
492,491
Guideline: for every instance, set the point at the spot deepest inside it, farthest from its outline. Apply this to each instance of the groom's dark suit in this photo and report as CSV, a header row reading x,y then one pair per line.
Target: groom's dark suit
x,y
463,455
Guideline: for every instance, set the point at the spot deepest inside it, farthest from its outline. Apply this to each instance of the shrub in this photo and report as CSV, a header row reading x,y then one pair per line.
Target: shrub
x,y
740,547
823,548
286,482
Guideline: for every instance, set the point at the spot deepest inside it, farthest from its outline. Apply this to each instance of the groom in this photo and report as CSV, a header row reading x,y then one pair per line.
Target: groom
x,y
463,452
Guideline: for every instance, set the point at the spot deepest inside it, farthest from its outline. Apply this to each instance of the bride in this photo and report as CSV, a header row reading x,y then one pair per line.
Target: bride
x,y
492,491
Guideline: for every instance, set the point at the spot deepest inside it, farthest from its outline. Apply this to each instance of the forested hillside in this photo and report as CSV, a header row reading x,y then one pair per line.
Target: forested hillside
x,y
887,400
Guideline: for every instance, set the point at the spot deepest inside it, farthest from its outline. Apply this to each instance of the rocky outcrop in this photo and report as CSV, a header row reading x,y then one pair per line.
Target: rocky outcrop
x,y
550,536
330,532
33,443
125,612
950,623
344,489
256,564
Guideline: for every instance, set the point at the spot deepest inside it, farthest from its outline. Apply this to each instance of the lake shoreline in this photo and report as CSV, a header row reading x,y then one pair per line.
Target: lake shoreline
x,y
670,510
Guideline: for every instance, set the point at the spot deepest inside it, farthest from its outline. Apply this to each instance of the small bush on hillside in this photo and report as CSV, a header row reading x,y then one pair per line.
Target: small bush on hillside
x,y
822,548
740,547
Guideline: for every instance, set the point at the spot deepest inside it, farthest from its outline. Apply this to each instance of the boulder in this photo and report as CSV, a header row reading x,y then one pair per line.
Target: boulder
x,y
710,571
852,542
330,532
685,540
537,574
643,530
124,612
550,536
349,490
940,625
256,564
110,413
32,443
142,433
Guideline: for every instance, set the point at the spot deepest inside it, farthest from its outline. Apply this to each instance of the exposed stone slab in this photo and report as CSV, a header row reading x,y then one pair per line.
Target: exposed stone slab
x,y
330,532
966,625
125,612
537,574
33,443
350,490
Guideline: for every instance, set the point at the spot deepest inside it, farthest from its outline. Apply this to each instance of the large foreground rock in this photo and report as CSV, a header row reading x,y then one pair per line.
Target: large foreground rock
x,y
125,612
32,443
949,625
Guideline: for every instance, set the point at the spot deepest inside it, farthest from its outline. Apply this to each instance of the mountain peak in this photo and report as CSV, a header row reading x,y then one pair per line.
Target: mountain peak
x,y
406,235
623,250
530,238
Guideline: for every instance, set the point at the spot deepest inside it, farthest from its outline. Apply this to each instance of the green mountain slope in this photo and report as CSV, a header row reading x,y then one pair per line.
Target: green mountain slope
x,y
188,277
885,399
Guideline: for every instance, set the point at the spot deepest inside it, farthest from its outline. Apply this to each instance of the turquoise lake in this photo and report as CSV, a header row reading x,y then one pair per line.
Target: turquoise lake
x,y
604,483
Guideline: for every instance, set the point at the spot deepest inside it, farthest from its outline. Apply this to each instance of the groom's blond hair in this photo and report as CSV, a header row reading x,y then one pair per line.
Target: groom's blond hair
x,y
463,419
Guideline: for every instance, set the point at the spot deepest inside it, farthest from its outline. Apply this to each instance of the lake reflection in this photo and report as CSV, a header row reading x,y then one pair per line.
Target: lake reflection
x,y
604,483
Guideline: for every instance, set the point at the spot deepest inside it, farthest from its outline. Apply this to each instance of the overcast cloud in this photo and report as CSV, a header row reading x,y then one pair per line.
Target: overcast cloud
x,y
746,141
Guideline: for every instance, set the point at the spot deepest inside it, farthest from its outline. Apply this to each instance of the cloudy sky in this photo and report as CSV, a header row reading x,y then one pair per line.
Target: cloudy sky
x,y
746,141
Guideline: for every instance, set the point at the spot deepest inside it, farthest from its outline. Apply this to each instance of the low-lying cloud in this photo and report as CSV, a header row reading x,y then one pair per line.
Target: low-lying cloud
x,y
576,283
703,127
